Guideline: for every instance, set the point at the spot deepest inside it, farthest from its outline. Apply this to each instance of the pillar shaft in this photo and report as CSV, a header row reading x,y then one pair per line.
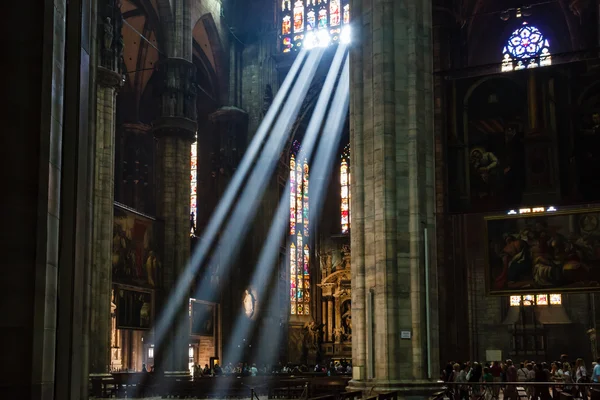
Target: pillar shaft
x,y
174,210
392,190
175,130
109,48
100,318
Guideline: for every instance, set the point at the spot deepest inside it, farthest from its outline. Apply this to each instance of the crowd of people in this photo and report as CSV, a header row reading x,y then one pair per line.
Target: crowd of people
x,y
480,381
334,367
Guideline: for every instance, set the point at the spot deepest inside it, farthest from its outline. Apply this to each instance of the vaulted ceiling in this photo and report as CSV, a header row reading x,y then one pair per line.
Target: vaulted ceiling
x,y
140,35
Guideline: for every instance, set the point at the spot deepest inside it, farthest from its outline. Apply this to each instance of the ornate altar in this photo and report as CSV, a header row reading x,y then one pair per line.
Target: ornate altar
x,y
336,302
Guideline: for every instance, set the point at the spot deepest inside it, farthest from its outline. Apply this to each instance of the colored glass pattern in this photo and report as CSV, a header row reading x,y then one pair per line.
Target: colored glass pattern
x,y
526,47
539,300
301,19
345,189
299,234
515,301
555,299
193,186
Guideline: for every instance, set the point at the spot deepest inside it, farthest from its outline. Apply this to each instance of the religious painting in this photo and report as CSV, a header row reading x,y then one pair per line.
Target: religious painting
x,y
204,318
487,159
135,259
133,308
544,252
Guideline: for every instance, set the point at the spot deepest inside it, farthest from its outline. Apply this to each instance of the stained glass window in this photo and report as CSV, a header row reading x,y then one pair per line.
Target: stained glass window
x,y
313,23
193,187
299,235
539,300
345,189
526,47
515,301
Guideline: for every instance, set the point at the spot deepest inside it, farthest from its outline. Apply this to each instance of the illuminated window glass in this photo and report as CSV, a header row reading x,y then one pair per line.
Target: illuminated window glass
x,y
299,235
345,189
313,23
515,301
526,47
193,187
539,300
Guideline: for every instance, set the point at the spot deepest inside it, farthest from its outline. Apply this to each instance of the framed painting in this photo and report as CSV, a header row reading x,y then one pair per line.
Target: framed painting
x,y
135,259
134,308
537,253
204,318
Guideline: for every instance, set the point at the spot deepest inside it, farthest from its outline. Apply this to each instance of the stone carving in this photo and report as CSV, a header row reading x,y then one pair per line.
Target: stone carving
x,y
326,261
108,34
345,256
312,335
347,319
267,99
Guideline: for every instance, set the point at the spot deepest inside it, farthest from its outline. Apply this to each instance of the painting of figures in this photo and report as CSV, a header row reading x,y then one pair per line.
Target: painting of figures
x,y
135,260
556,251
203,318
134,309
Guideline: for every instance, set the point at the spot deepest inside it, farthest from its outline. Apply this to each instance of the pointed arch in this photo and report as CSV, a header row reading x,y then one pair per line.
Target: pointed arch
x,y
206,35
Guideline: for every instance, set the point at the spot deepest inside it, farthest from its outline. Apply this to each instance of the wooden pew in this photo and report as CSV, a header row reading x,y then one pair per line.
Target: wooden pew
x,y
355,395
388,396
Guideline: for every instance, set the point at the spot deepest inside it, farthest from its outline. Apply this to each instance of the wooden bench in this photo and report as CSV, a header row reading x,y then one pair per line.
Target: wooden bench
x,y
328,397
388,396
355,395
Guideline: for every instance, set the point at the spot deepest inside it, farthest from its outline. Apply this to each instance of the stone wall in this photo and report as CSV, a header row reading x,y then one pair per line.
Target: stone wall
x,y
206,350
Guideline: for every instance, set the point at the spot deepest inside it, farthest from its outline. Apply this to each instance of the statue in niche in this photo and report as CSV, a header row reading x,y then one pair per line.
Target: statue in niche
x,y
345,256
587,158
347,319
267,99
108,34
312,333
152,265
338,335
485,170
325,259
172,104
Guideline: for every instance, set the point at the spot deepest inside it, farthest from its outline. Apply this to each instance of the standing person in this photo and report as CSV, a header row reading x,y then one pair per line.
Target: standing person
x,y
596,372
496,372
488,389
581,376
511,376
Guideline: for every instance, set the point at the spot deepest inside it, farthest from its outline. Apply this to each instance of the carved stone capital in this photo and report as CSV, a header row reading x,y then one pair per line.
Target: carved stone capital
x,y
175,126
178,89
109,78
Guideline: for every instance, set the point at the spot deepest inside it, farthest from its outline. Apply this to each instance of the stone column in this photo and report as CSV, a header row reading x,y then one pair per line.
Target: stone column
x,y
175,130
391,137
108,80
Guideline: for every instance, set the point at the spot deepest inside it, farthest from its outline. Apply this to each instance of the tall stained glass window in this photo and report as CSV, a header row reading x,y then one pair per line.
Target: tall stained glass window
x,y
345,189
313,23
193,187
299,235
536,300
526,47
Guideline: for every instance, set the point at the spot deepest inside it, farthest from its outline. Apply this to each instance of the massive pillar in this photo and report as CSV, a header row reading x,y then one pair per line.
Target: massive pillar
x,y
175,130
108,80
393,283
46,200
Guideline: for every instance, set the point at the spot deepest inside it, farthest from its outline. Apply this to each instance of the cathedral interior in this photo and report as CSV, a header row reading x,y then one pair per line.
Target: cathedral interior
x,y
164,151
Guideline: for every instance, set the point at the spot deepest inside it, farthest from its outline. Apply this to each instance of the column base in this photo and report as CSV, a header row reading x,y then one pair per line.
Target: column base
x,y
413,390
